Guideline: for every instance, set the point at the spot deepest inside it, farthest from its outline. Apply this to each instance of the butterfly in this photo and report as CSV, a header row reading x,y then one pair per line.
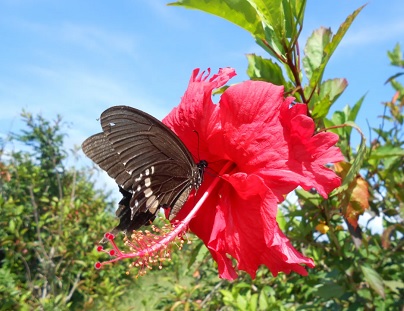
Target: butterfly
x,y
151,165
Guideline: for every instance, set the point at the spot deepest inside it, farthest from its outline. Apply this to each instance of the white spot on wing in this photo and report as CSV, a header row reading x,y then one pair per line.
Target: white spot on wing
x,y
147,172
148,192
139,178
147,182
152,170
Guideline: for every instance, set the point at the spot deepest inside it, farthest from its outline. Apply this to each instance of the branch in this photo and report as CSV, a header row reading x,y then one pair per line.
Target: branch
x,y
38,231
73,289
207,298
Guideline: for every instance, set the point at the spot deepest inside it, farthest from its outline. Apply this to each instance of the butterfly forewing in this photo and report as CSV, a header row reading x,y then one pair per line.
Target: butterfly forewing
x,y
147,160
99,149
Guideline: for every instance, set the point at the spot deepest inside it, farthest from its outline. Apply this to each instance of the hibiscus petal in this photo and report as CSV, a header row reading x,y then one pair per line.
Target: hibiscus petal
x,y
272,144
197,112
249,233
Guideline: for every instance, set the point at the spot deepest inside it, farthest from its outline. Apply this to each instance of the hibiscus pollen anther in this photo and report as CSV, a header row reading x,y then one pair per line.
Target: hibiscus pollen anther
x,y
149,247
153,247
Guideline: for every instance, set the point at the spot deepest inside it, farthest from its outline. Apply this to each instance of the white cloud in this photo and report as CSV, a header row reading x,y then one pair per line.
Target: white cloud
x,y
373,33
91,37
94,38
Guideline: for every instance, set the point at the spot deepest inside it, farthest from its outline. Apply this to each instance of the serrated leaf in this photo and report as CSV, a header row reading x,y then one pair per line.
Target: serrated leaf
x,y
374,280
321,107
238,12
281,21
268,11
330,90
317,70
263,69
314,50
333,88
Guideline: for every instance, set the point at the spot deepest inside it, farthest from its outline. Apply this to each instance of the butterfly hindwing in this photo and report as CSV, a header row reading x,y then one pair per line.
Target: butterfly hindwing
x,y
151,165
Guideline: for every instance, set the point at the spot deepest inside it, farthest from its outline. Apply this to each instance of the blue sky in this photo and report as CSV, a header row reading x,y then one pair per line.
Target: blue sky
x,y
77,58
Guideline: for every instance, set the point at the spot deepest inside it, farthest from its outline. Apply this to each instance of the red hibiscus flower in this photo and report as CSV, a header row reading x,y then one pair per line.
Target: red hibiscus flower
x,y
259,146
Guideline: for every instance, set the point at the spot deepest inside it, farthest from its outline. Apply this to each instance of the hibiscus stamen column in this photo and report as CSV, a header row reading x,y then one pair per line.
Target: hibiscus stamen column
x,y
153,248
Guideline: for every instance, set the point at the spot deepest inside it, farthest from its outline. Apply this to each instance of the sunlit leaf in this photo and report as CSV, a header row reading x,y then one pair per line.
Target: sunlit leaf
x,y
394,286
374,280
314,50
239,12
329,93
263,69
319,58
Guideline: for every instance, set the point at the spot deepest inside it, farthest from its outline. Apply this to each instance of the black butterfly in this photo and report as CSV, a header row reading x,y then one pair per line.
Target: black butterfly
x,y
150,164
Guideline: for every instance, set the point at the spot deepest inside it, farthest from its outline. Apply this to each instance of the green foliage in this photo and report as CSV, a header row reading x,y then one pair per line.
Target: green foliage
x,y
50,218
356,268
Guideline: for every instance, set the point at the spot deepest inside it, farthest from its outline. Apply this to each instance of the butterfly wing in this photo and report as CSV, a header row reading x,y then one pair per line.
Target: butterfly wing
x,y
148,161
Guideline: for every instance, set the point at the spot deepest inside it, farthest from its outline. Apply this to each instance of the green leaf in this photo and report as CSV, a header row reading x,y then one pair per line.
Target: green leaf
x,y
321,48
329,93
253,302
394,286
333,88
194,254
279,23
374,280
241,302
330,290
263,301
263,69
314,50
357,163
353,113
387,151
396,56
239,12
280,219
11,225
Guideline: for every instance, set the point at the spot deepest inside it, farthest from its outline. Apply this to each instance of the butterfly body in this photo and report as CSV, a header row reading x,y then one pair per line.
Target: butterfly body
x,y
150,164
